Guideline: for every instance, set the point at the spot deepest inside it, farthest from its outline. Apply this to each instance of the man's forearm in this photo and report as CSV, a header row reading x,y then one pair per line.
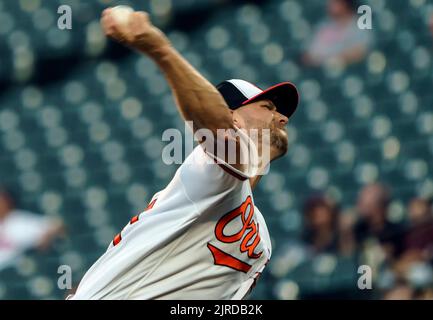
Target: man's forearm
x,y
197,99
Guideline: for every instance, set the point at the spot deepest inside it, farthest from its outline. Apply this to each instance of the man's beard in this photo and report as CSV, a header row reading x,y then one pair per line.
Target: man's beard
x,y
273,137
279,140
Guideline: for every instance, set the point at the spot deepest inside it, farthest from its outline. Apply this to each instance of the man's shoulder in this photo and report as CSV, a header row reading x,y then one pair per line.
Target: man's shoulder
x,y
201,161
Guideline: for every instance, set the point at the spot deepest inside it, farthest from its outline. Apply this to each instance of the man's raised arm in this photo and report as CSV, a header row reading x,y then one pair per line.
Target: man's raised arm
x,y
197,99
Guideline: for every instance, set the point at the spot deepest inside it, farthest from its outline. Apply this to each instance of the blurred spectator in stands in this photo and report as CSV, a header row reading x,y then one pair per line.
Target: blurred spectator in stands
x,y
420,211
372,226
412,266
412,269
338,37
425,294
401,291
347,237
419,237
320,227
21,230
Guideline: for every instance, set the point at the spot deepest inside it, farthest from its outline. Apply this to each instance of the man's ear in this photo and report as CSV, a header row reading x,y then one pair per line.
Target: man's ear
x,y
237,121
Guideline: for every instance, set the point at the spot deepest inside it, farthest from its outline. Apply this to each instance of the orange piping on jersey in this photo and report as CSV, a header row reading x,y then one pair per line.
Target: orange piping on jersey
x,y
150,205
117,239
230,171
134,219
224,259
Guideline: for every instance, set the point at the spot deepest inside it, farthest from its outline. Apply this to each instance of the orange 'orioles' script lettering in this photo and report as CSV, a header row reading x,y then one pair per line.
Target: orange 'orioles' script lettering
x,y
248,234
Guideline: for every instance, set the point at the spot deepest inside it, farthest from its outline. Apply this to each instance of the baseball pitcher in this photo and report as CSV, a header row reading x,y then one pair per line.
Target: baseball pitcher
x,y
202,237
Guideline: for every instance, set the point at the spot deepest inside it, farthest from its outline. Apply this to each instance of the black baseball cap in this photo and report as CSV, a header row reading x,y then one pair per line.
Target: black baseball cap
x,y
237,92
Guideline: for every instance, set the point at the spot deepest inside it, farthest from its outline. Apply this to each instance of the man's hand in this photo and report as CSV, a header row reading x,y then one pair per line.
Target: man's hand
x,y
138,33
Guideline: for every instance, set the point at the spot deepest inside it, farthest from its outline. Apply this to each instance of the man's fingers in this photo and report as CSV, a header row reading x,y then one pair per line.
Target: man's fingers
x,y
106,11
136,22
134,28
144,15
109,25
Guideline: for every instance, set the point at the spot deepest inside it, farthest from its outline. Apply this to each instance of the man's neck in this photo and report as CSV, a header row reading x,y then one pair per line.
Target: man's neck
x,y
264,167
254,181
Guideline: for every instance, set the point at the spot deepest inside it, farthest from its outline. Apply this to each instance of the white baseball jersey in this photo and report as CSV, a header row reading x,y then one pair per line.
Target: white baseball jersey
x,y
200,238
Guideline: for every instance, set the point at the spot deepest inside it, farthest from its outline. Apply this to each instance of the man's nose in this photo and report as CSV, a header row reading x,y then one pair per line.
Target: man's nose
x,y
283,119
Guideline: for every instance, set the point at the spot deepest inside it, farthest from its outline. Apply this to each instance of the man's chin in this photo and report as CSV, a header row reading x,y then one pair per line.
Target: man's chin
x,y
284,149
281,144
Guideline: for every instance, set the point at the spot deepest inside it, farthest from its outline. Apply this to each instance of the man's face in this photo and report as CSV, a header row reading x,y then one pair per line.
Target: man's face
x,y
263,114
369,201
321,216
